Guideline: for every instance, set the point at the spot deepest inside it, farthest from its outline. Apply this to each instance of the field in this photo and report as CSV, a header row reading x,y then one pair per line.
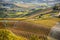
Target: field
x,y
27,27
35,25
27,21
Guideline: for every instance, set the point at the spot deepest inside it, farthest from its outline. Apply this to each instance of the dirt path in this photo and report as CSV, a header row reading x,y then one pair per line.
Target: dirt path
x,y
38,13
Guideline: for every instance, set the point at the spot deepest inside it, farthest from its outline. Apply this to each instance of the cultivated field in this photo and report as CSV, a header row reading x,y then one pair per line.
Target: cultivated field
x,y
27,27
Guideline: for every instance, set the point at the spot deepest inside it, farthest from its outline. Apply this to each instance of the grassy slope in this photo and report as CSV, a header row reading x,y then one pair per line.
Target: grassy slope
x,y
8,35
45,22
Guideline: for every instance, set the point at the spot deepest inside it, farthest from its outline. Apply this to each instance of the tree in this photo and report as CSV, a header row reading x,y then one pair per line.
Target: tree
x,y
57,7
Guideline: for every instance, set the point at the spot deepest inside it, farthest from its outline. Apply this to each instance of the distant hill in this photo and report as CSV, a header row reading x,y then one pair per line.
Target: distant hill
x,y
32,1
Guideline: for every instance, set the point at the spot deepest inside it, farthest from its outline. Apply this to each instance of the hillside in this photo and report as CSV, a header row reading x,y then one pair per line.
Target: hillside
x,y
25,21
29,27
